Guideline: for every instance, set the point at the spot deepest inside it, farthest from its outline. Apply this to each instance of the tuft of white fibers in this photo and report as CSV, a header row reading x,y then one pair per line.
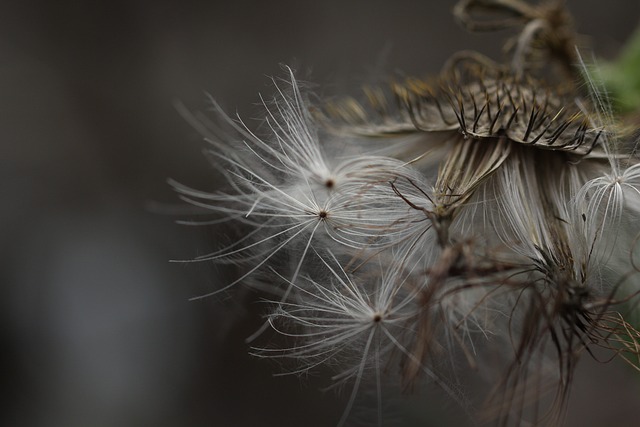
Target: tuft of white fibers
x,y
356,323
292,194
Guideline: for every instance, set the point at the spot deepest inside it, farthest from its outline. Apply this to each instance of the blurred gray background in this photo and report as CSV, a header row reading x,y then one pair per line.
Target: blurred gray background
x,y
97,329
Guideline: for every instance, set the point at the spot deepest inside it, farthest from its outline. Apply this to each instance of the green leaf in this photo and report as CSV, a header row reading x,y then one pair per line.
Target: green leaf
x,y
622,77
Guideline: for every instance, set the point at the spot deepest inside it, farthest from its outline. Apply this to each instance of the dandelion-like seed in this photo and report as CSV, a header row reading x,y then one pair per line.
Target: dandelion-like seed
x,y
487,213
341,318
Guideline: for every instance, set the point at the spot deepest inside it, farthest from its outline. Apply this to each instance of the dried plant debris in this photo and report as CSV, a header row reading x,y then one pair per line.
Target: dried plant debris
x,y
483,220
479,102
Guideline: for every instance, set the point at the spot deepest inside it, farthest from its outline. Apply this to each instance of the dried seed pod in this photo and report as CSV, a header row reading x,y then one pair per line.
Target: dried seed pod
x,y
547,31
478,101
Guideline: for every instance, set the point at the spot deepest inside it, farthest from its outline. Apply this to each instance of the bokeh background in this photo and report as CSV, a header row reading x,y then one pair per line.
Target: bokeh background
x,y
96,326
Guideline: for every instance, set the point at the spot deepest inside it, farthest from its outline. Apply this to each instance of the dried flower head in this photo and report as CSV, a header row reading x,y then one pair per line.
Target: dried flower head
x,y
487,213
